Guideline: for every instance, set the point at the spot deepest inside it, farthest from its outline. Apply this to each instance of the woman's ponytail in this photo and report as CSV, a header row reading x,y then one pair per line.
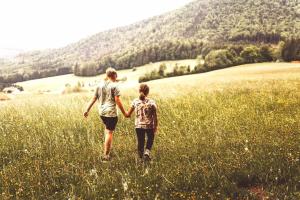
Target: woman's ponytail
x,y
144,91
142,96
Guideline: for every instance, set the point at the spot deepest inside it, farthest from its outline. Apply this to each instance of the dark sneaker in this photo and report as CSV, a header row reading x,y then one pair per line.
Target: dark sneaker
x,y
147,155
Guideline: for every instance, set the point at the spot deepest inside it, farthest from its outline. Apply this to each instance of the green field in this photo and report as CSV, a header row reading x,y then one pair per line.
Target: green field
x,y
226,134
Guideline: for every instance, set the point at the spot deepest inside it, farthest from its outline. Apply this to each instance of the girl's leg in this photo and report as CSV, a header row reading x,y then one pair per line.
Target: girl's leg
x,y
107,142
140,133
150,139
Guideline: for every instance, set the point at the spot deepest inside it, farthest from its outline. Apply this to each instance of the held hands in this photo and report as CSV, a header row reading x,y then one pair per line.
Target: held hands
x,y
127,115
86,114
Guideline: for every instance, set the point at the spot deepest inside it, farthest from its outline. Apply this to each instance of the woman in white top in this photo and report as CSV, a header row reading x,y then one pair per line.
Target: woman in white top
x,y
108,96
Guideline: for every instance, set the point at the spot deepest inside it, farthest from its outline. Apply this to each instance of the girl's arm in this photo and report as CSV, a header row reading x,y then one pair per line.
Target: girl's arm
x,y
90,105
130,112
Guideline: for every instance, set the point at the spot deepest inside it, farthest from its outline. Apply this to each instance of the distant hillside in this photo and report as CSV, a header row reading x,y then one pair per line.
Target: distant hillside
x,y
183,33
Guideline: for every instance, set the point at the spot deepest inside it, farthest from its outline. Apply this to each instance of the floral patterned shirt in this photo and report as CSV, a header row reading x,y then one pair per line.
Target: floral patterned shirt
x,y
145,113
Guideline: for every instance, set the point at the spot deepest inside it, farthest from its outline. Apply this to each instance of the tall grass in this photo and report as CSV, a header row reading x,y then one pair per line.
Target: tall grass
x,y
210,145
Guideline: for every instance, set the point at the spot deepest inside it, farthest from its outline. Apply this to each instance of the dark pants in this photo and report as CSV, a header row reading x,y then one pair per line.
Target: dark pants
x,y
140,133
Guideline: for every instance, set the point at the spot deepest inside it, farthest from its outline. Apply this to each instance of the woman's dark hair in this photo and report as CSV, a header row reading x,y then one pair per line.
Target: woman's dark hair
x,y
144,91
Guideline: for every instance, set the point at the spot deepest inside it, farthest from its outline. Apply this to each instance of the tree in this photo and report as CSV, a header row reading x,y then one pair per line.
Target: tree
x,y
266,54
291,50
217,59
251,54
277,52
161,70
76,69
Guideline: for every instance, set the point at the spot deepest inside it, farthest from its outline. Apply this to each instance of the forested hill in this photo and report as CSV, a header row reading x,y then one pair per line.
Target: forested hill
x,y
183,33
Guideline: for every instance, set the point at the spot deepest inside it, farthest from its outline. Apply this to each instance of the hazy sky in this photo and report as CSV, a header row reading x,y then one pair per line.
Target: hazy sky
x,y
38,24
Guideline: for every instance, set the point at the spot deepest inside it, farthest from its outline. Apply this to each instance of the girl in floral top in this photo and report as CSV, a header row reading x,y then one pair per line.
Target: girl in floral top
x,y
145,121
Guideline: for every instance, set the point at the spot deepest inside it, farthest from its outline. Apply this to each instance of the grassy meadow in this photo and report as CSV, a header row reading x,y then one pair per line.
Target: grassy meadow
x,y
226,134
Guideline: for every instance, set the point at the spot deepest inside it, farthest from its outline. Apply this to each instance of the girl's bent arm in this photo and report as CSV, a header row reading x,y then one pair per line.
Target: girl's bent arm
x,y
130,111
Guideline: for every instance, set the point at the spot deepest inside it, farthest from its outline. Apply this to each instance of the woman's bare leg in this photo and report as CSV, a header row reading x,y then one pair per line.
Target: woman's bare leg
x,y
108,142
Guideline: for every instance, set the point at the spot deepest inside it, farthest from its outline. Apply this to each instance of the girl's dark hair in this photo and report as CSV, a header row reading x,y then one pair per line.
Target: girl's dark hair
x,y
144,91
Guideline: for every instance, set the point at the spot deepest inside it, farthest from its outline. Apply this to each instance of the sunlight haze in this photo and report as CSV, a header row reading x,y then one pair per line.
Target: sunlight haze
x,y
39,24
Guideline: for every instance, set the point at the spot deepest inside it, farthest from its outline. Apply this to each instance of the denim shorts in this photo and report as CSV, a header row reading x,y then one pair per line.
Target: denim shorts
x,y
110,122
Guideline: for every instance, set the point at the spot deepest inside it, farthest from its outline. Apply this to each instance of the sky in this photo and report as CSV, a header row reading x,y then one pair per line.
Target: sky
x,y
41,24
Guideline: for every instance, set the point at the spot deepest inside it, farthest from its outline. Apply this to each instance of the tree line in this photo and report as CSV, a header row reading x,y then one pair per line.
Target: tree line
x,y
170,50
6,80
231,56
242,53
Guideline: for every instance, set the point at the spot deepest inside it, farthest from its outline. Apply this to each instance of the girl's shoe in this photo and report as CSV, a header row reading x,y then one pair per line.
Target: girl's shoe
x,y
147,155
